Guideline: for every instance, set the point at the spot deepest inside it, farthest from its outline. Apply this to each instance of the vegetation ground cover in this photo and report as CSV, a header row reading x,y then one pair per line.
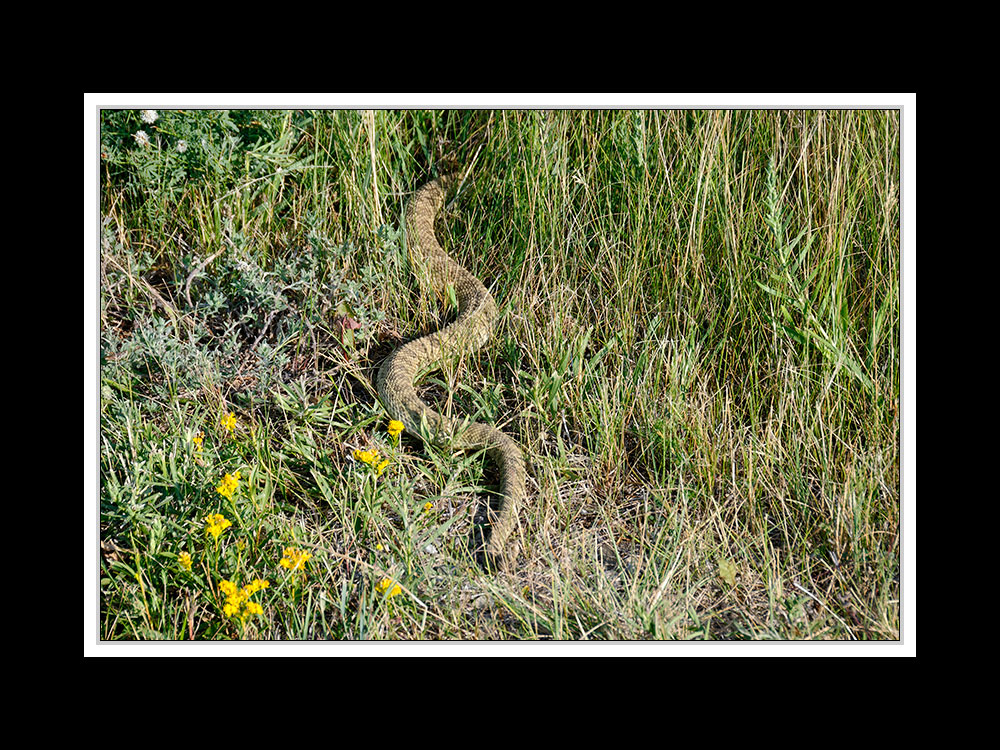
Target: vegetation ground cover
x,y
699,352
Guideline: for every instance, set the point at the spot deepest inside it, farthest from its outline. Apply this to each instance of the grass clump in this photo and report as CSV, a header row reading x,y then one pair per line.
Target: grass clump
x,y
698,352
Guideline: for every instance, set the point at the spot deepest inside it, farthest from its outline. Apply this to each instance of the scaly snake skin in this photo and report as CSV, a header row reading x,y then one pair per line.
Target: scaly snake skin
x,y
477,314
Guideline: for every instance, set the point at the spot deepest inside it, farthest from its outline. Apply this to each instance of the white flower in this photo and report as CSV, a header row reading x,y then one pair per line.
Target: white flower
x,y
182,146
148,116
141,138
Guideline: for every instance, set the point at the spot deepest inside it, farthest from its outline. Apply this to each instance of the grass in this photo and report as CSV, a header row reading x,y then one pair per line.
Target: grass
x,y
699,352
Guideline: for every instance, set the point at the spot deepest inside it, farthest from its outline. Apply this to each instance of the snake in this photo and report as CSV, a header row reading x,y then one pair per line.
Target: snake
x,y
440,275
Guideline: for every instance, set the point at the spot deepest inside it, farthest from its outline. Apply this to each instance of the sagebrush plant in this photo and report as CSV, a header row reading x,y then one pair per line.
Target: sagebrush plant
x,y
698,352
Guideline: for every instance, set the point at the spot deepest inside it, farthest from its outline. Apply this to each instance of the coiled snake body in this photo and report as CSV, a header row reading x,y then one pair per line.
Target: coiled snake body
x,y
477,315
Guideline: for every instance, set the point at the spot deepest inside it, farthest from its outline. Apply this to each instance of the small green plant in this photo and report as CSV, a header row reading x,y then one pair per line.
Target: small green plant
x,y
698,352
807,304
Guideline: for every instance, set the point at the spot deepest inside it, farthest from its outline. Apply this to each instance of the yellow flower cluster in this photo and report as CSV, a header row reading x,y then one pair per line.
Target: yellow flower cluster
x,y
294,558
229,485
387,584
372,459
197,440
238,599
184,558
229,422
217,523
395,427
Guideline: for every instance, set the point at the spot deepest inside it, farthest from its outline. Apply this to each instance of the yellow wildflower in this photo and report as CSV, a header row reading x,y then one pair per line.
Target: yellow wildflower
x,y
216,524
184,559
255,585
294,559
227,587
428,506
233,598
238,599
228,486
372,459
395,427
229,422
368,457
197,440
387,584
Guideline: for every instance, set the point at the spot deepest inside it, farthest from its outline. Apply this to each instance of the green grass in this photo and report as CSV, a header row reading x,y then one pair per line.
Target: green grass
x,y
699,352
